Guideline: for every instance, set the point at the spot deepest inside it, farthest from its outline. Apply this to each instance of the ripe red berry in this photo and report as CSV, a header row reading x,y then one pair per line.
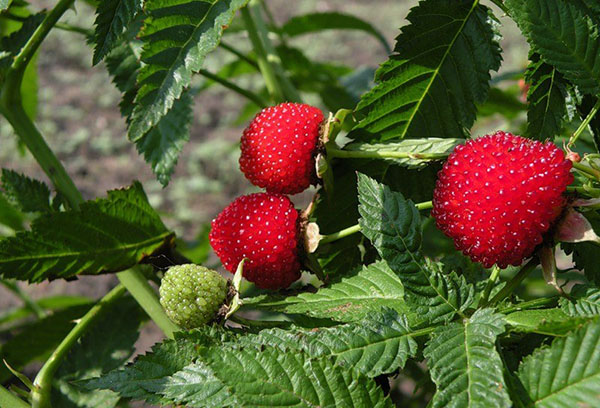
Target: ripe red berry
x,y
265,228
498,195
279,148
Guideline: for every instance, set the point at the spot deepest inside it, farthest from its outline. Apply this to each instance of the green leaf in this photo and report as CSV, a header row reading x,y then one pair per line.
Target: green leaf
x,y
551,322
103,236
271,378
105,347
584,301
314,22
354,297
9,215
28,345
5,4
419,151
503,102
564,35
378,344
439,72
11,46
566,374
112,17
393,225
26,193
123,66
465,364
547,100
177,37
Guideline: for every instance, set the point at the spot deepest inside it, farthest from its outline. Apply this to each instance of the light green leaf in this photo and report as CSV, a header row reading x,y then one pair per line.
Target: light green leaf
x,y
177,37
112,17
439,72
551,322
465,364
28,194
547,95
393,226
271,378
564,35
584,301
314,22
411,153
378,344
354,297
566,374
103,236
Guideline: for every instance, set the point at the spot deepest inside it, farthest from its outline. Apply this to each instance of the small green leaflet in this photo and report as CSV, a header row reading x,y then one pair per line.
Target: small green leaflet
x,y
112,17
551,322
584,301
439,72
564,35
103,236
27,194
566,374
354,297
465,364
393,225
177,37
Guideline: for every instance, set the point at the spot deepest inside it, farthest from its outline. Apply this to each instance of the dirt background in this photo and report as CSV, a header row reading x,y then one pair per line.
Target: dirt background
x,y
78,114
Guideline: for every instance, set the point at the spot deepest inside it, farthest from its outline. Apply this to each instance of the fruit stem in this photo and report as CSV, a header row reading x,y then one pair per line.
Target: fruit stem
x,y
590,191
587,171
515,281
40,395
230,85
356,228
584,124
483,301
383,154
8,399
29,302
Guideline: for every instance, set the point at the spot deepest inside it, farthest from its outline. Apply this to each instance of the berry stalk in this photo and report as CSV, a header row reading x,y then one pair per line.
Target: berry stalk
x,y
515,281
356,228
584,124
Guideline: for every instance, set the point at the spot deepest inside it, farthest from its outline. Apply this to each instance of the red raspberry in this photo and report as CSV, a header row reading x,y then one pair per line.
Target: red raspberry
x,y
279,148
496,196
265,228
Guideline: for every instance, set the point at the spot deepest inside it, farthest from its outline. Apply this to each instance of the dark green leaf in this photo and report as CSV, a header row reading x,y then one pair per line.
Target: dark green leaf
x,y
11,46
566,374
103,236
393,225
564,35
9,215
314,22
547,100
465,364
177,37
28,194
352,298
112,17
439,72
584,301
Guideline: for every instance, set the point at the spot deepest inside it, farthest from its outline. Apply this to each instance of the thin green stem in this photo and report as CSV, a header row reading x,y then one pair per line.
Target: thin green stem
x,y
29,302
61,26
40,395
512,284
267,70
483,301
10,400
426,205
383,154
239,54
272,21
531,304
584,124
587,171
584,190
230,85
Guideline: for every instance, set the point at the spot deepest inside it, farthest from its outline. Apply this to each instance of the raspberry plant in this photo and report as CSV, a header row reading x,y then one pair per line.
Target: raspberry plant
x,y
386,301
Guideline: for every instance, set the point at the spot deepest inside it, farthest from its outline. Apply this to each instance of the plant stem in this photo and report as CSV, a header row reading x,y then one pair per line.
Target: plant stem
x,y
239,54
60,26
268,73
356,228
40,395
515,281
383,154
584,124
142,292
272,21
587,171
9,400
584,190
483,301
29,303
230,85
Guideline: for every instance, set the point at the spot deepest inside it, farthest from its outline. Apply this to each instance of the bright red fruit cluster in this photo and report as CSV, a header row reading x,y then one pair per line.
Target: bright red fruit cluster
x,y
498,195
279,148
264,228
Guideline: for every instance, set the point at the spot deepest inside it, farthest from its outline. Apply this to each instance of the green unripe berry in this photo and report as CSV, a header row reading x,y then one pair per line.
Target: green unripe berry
x,y
192,295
